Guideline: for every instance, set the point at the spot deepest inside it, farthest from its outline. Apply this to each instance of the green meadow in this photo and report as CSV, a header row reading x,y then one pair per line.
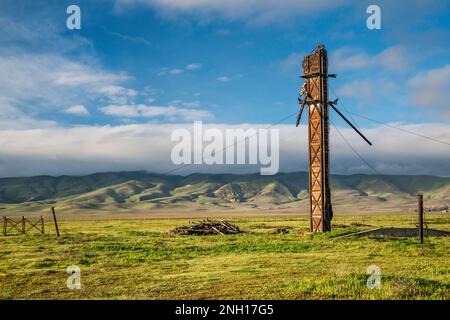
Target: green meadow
x,y
140,259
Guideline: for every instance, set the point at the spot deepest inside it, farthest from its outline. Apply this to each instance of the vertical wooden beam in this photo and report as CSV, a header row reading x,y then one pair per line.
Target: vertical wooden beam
x,y
420,216
55,221
315,72
42,225
23,224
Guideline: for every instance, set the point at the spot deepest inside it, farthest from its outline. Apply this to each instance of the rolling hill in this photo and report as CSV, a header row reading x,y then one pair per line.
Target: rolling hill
x,y
139,190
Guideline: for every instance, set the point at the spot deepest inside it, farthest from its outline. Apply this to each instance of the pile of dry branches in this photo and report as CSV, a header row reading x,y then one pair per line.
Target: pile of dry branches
x,y
207,227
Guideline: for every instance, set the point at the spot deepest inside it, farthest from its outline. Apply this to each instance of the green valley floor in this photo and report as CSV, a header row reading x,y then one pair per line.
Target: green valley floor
x,y
140,259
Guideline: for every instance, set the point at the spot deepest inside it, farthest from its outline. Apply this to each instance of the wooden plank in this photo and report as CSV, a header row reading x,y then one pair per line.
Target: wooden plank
x,y
216,230
14,224
55,221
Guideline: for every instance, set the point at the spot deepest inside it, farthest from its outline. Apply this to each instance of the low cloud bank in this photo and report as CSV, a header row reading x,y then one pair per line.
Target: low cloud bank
x,y
83,150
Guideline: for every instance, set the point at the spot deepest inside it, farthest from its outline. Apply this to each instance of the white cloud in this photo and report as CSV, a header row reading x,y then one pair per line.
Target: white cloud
x,y
38,35
193,66
75,74
395,58
191,104
292,62
377,75
176,71
169,112
162,71
431,89
133,39
12,117
224,79
88,149
37,78
117,94
365,90
229,78
116,91
122,111
78,110
40,83
187,104
252,11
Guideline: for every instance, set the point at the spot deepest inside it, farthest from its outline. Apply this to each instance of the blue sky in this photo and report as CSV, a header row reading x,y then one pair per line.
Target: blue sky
x,y
156,62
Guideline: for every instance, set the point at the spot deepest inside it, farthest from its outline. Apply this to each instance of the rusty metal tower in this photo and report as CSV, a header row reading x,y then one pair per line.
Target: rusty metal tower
x,y
315,95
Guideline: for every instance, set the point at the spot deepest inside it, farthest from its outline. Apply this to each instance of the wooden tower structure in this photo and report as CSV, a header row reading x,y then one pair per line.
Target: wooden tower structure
x,y
315,95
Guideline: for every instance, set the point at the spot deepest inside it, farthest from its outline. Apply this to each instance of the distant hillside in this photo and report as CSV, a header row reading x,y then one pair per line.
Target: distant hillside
x,y
136,189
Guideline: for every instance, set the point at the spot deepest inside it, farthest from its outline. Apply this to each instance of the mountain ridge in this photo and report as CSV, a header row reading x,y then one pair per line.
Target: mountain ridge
x,y
126,189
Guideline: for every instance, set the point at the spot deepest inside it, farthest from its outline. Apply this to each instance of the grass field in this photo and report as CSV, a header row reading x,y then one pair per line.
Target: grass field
x,y
139,259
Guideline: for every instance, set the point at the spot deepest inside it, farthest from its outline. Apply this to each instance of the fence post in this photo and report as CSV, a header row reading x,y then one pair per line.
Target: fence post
x,y
55,221
23,224
420,216
42,225
5,225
